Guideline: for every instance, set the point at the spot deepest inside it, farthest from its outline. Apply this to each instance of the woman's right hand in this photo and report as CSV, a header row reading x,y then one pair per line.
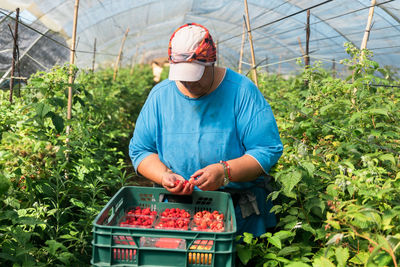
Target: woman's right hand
x,y
168,181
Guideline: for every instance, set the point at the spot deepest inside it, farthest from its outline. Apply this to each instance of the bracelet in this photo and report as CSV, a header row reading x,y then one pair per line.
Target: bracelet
x,y
227,170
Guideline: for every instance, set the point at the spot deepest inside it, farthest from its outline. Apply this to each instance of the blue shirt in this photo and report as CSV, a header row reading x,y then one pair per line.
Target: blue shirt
x,y
191,133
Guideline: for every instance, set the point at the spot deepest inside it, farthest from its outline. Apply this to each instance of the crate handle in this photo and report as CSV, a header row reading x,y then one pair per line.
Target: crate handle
x,y
185,199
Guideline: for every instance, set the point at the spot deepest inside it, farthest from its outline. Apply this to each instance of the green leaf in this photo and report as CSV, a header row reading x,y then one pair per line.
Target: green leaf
x,y
248,238
289,250
323,262
334,224
270,256
307,227
289,181
53,246
355,117
65,257
332,190
42,110
378,111
29,221
77,203
266,235
388,157
309,167
4,184
283,234
297,264
315,202
324,109
271,263
342,255
275,241
360,258
58,122
244,254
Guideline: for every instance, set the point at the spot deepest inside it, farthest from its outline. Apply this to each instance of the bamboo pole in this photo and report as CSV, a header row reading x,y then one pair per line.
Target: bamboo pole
x,y
72,62
307,57
94,55
119,54
14,54
253,60
365,40
367,28
242,45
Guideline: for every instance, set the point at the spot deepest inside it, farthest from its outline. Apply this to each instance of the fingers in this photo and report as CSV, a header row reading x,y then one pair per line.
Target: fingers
x,y
179,186
175,189
208,178
197,173
187,189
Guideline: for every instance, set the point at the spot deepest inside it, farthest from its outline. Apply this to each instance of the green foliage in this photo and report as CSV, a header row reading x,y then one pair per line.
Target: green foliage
x,y
339,176
56,182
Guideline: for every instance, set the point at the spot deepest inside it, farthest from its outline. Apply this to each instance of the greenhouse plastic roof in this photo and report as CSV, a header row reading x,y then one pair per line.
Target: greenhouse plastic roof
x,y
277,26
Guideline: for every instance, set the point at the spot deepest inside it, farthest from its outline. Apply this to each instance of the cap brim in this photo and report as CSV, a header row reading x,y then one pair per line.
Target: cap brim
x,y
188,72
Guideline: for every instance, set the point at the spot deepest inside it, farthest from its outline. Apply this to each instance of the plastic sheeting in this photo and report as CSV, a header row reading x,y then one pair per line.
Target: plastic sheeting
x,y
277,25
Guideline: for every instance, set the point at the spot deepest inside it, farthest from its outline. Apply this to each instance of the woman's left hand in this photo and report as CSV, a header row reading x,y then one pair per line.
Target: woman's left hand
x,y
210,178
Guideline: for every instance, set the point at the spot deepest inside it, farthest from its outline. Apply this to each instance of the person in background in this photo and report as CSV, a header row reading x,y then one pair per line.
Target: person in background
x,y
209,126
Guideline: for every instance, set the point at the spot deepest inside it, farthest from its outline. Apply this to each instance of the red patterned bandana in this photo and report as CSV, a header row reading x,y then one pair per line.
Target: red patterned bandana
x,y
204,53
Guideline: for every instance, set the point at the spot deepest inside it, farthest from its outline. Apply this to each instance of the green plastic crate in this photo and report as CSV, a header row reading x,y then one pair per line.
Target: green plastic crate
x,y
120,246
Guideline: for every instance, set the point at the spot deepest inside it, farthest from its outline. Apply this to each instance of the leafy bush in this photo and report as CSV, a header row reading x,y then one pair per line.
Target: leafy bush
x,y
59,181
339,181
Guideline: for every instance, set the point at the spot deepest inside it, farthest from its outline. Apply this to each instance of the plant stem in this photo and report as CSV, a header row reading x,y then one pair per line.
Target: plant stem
x,y
390,252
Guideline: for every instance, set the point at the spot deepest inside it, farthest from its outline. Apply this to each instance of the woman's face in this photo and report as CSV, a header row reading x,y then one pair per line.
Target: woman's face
x,y
202,86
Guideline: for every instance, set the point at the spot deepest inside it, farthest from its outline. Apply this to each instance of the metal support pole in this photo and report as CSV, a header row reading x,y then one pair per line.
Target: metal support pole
x,y
307,57
14,55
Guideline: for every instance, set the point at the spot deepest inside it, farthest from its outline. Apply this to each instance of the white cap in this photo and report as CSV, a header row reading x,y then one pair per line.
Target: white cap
x,y
183,46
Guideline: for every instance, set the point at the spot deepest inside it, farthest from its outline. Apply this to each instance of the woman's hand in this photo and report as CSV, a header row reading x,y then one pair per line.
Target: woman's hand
x,y
170,181
209,178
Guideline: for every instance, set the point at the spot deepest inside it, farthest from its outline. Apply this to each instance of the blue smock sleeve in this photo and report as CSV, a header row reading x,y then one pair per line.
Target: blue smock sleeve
x,y
261,139
143,141
258,129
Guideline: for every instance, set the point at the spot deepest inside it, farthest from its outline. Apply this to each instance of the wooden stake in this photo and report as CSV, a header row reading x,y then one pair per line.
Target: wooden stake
x,y
367,28
72,62
307,57
253,60
242,45
119,54
14,54
94,55
364,41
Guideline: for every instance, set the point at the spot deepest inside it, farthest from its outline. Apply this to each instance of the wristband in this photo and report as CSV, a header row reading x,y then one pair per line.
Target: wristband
x,y
227,172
